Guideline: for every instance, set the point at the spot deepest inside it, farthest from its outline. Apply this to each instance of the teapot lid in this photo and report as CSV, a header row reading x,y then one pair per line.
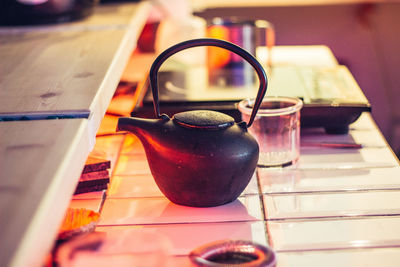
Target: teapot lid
x,y
203,119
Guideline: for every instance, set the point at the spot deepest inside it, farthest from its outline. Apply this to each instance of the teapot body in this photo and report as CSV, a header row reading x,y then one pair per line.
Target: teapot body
x,y
201,168
199,158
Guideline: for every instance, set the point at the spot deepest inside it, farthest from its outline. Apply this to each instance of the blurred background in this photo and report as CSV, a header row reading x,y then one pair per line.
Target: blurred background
x,y
363,35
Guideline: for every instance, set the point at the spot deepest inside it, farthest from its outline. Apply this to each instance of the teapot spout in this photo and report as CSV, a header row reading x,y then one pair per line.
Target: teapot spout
x,y
128,124
140,126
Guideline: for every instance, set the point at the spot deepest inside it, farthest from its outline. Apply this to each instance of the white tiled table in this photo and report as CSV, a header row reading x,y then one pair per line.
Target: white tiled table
x,y
336,207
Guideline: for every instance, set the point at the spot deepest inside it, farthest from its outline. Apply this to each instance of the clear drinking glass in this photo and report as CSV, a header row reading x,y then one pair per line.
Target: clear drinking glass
x,y
276,128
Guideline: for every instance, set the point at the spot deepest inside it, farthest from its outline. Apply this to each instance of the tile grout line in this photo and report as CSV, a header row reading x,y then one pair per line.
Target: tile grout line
x,y
336,191
164,197
178,223
260,195
338,248
332,218
105,195
118,156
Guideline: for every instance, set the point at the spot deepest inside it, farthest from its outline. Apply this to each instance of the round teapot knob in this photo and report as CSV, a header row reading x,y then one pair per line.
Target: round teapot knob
x,y
203,119
208,42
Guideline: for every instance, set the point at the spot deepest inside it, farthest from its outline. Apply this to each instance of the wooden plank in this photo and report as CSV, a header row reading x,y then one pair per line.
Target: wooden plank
x,y
70,70
90,176
63,71
92,188
95,164
93,183
40,164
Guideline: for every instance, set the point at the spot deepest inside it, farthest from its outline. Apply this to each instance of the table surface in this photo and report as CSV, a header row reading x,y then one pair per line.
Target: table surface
x,y
47,72
335,207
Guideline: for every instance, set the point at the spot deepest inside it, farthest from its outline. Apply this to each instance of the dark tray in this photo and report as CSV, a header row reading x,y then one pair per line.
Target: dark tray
x,y
332,99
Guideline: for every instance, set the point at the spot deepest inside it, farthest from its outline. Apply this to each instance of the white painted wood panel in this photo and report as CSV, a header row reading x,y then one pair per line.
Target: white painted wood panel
x,y
66,70
69,69
40,163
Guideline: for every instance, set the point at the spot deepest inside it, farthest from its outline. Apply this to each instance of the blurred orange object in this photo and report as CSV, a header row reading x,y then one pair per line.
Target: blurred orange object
x,y
78,221
218,57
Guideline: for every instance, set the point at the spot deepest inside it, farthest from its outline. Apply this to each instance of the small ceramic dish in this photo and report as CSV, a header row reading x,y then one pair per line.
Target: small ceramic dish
x,y
233,253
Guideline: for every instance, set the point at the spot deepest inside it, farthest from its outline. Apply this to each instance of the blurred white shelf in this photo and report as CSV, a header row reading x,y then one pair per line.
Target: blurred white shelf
x,y
56,84
209,4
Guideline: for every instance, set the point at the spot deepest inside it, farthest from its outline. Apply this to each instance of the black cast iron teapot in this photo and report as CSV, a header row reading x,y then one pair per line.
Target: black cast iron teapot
x,y
198,158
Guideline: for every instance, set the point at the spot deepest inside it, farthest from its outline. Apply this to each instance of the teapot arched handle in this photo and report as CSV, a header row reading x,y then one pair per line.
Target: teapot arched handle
x,y
208,42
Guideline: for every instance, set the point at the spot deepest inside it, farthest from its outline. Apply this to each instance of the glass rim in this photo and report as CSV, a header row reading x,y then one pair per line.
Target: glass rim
x,y
246,106
237,21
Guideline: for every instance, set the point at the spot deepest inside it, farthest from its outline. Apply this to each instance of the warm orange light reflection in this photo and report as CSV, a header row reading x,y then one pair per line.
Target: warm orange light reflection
x,y
132,145
218,57
76,219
